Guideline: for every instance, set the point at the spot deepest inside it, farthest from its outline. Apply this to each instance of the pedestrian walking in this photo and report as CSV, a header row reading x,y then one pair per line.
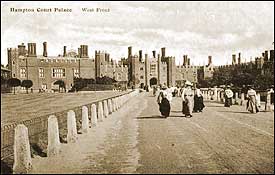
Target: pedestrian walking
x,y
164,104
252,101
198,101
187,99
228,95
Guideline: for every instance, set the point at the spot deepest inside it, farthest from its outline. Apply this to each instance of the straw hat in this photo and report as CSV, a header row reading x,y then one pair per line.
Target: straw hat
x,y
188,83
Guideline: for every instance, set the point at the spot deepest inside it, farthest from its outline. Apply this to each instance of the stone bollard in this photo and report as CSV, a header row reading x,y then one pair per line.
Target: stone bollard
x,y
53,137
258,100
85,119
94,115
236,98
110,106
222,97
22,152
215,96
100,114
71,126
105,108
242,100
116,102
113,105
219,96
268,102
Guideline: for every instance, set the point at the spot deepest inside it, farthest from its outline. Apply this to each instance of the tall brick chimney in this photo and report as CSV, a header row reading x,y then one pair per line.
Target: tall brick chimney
x,y
140,55
31,49
271,55
266,55
154,53
233,59
64,51
129,51
239,58
209,60
45,53
21,50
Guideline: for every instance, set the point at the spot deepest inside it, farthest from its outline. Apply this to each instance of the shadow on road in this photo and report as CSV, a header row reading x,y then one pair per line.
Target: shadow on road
x,y
236,112
152,117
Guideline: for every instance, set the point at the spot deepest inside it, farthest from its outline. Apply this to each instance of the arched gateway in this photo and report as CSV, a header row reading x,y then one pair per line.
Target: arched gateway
x,y
153,81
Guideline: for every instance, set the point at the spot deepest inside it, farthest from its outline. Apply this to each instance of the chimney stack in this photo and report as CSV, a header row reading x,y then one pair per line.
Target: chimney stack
x,y
163,52
21,50
31,49
239,58
45,53
129,51
233,59
271,55
64,51
154,54
188,61
266,55
209,60
140,55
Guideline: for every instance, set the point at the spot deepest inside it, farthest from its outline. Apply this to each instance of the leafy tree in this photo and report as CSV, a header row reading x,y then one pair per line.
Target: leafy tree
x,y
14,82
27,84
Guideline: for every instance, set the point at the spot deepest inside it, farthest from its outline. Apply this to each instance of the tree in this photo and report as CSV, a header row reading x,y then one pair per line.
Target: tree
x,y
14,82
61,84
27,84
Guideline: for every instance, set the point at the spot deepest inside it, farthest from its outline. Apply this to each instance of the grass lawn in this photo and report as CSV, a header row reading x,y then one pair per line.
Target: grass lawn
x,y
25,106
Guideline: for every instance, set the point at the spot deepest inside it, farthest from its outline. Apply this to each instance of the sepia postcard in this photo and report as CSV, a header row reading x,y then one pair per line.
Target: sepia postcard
x,y
137,87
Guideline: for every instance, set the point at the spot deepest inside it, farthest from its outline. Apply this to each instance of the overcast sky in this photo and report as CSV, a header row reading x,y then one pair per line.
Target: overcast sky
x,y
197,29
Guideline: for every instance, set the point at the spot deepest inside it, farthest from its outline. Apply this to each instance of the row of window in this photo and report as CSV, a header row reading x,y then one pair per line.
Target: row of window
x,y
56,72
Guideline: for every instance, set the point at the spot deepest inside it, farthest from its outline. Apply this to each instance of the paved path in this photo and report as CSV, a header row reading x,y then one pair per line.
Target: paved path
x,y
136,140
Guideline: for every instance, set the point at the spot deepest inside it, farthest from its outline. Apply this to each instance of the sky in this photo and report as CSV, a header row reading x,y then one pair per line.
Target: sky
x,y
196,29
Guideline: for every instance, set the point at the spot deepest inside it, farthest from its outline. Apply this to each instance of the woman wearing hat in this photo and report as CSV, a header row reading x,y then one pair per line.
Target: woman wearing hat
x,y
187,99
164,104
198,101
228,94
252,100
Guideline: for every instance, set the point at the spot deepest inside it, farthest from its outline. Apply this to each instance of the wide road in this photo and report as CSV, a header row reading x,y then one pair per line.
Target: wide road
x,y
135,139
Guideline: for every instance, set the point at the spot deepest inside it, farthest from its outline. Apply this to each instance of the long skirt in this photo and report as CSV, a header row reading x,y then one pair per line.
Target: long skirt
x,y
187,105
228,102
198,103
164,107
252,105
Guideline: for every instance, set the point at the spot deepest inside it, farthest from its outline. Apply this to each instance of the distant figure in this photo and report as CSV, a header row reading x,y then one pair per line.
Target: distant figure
x,y
31,90
252,102
164,104
228,95
271,91
198,101
187,99
154,90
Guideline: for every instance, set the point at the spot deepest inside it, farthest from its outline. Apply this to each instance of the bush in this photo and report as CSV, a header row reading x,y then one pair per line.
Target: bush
x,y
27,84
14,82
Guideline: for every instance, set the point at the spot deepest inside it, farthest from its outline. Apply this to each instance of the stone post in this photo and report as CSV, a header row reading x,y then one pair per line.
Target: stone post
x,y
110,106
106,110
22,152
236,98
219,96
222,96
71,125
94,115
242,99
85,119
53,137
100,112
268,102
113,105
215,97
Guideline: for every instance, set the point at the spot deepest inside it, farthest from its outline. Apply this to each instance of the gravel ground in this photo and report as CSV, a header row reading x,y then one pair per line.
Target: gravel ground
x,y
136,139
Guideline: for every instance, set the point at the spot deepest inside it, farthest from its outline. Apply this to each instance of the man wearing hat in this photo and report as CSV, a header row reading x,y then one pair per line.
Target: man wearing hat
x,y
228,95
187,99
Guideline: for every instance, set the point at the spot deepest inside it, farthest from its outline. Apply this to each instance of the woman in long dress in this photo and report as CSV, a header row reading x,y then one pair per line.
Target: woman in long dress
x,y
252,101
228,94
187,100
198,101
164,104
